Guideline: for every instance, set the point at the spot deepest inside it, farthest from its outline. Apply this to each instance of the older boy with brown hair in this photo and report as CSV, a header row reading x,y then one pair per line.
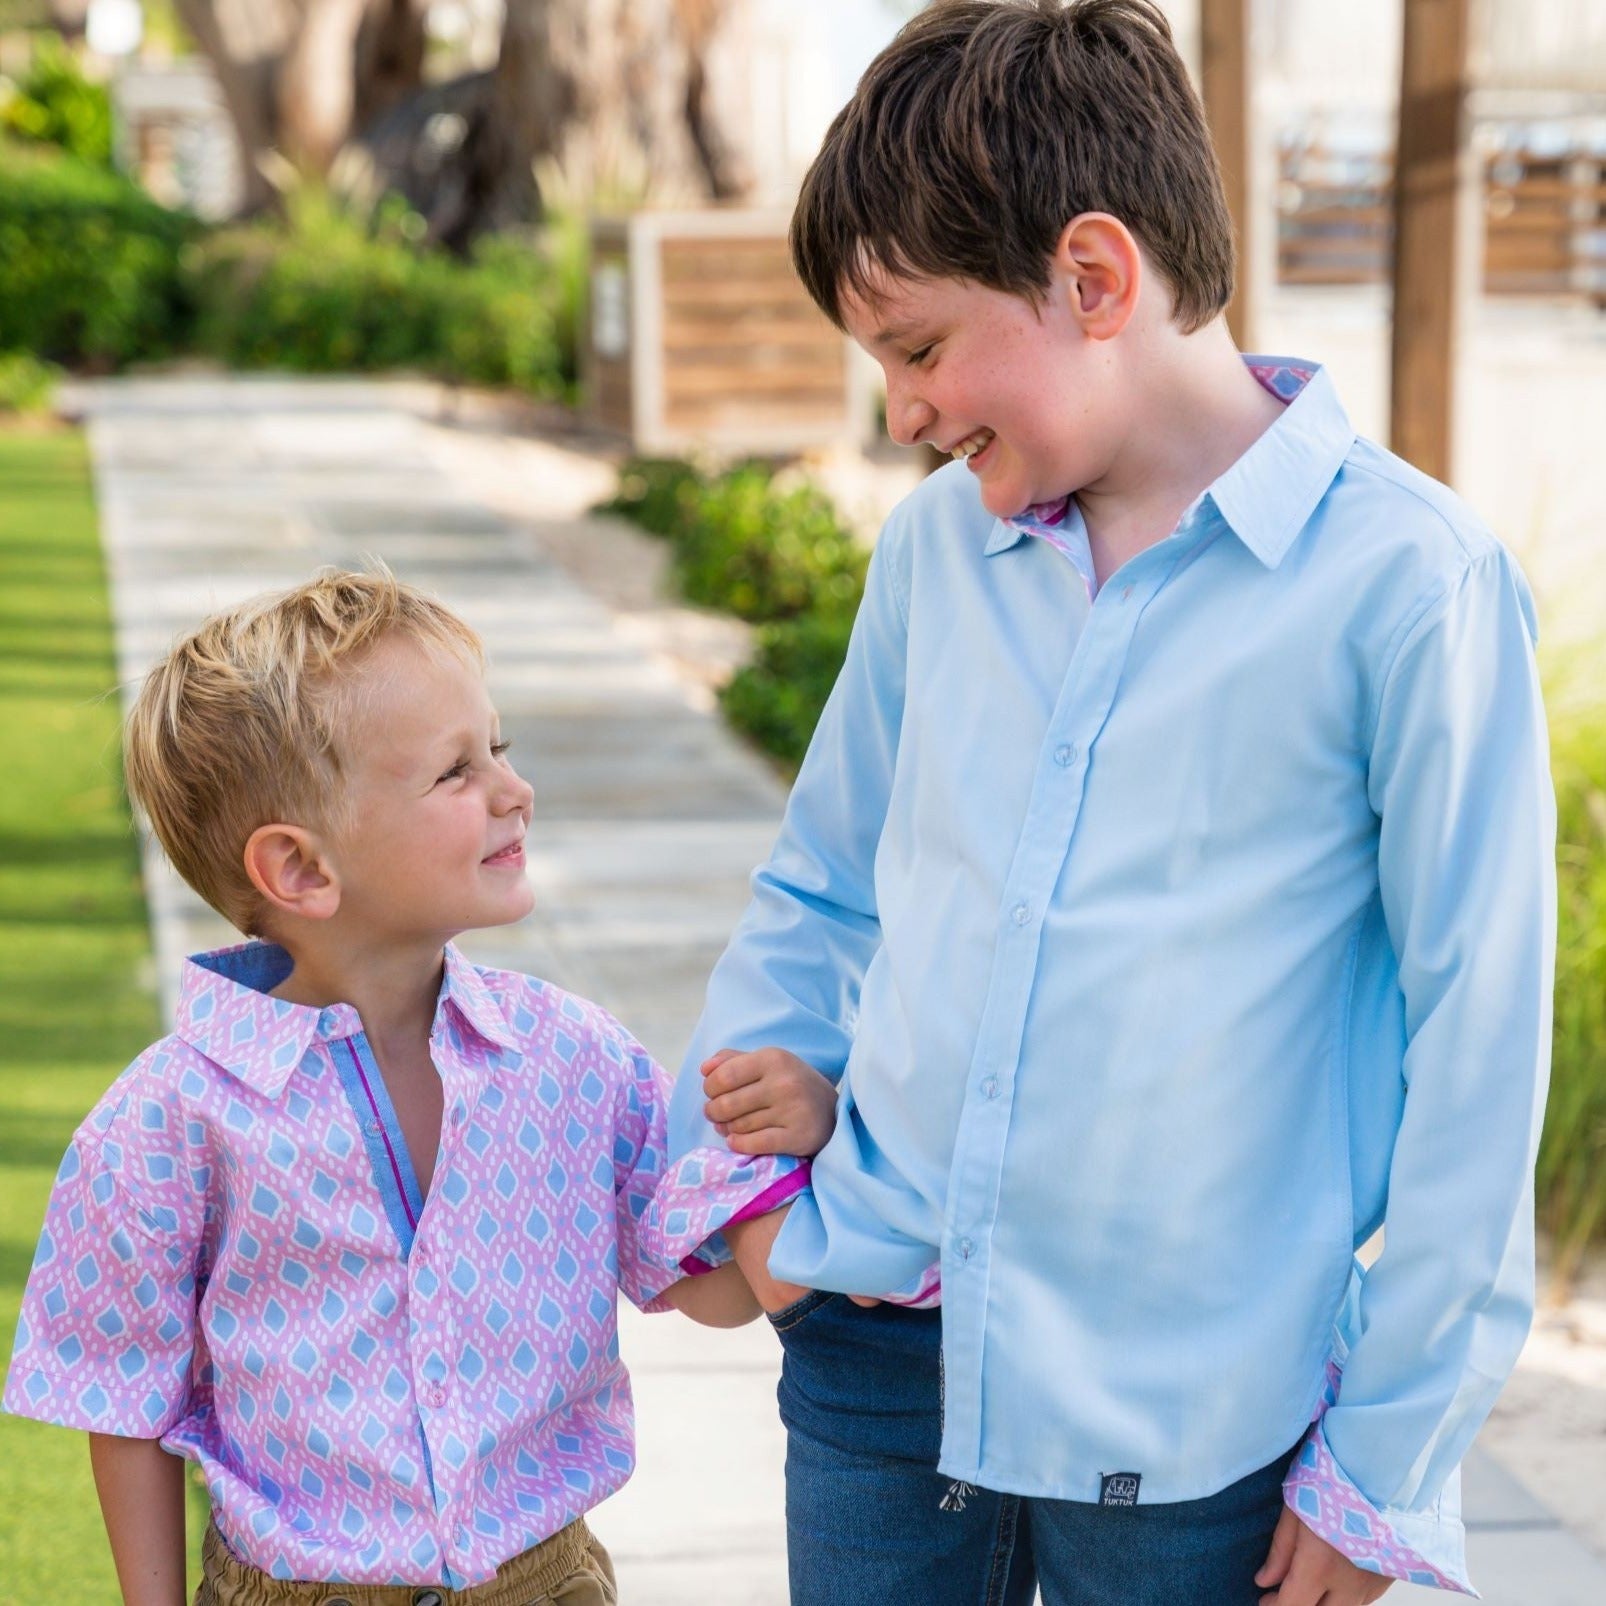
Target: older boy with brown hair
x,y
1168,889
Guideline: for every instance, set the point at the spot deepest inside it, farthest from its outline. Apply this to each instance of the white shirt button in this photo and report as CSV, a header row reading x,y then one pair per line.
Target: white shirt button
x,y
1065,755
966,1248
1021,914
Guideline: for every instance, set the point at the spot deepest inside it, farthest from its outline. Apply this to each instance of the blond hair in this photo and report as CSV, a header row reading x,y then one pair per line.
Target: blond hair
x,y
240,725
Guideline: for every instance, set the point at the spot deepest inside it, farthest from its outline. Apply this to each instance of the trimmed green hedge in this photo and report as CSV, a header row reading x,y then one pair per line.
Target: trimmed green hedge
x,y
94,274
89,264
322,295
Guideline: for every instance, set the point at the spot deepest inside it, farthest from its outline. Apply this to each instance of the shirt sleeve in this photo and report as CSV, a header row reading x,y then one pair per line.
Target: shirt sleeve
x,y
664,1215
791,974
106,1334
1460,782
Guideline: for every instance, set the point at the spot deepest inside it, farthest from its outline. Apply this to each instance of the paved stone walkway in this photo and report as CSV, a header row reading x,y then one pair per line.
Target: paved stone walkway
x,y
648,817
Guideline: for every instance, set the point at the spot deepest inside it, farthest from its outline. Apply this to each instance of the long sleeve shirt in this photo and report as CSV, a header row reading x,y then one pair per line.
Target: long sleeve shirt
x,y
379,1387
1168,938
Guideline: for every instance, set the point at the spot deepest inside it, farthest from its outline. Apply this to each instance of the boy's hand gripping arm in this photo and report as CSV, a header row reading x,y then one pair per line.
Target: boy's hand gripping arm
x,y
141,1490
768,1102
1460,782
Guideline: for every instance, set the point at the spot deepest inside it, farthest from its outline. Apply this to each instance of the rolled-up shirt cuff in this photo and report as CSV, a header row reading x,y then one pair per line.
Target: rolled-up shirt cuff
x,y
710,1189
1419,1547
923,1292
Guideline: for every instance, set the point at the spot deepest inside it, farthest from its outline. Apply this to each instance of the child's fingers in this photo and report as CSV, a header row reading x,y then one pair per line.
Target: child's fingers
x,y
769,1140
1275,1567
729,1107
731,1071
715,1060
756,1122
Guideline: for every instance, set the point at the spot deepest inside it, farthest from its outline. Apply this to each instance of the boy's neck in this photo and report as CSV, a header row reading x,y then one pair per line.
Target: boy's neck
x,y
1197,409
394,988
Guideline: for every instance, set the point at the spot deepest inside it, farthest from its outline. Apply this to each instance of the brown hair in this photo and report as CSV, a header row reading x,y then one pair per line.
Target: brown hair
x,y
987,125
239,725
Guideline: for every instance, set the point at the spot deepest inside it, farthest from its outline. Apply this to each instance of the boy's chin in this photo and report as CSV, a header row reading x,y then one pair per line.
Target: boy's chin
x,y
1004,501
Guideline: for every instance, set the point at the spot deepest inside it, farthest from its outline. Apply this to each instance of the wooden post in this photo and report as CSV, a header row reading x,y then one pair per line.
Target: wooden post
x,y
1432,218
1224,84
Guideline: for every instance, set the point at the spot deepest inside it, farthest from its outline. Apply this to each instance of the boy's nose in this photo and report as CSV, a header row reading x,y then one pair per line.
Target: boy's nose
x,y
908,417
517,795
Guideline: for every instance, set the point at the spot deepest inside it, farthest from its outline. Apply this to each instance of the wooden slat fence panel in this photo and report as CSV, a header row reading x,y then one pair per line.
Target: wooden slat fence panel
x,y
1544,221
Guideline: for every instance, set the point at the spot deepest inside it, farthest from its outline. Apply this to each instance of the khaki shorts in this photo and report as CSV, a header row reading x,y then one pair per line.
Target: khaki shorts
x,y
569,1569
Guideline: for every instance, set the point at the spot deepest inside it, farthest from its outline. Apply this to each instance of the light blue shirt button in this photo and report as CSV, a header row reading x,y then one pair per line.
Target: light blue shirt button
x,y
990,1087
1065,755
965,1247
1021,914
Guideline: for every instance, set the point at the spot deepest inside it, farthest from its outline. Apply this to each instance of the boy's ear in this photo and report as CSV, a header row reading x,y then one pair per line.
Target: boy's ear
x,y
288,866
1099,266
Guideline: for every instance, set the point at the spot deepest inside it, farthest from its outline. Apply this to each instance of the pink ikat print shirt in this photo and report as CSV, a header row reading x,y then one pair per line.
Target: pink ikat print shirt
x,y
378,1388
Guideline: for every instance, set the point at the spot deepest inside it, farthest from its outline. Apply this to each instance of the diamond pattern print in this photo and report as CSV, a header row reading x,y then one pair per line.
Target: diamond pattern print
x,y
364,1412
1325,1499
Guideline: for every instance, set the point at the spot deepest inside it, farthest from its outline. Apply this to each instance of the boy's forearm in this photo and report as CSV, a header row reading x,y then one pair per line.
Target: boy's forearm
x,y
141,1490
719,1298
750,1243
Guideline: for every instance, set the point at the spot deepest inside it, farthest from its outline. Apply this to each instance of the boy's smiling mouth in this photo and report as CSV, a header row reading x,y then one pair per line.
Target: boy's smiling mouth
x,y
974,444
508,857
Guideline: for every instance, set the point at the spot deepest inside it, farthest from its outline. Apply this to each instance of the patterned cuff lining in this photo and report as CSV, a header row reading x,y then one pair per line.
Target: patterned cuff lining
x,y
772,1198
924,1294
1321,1494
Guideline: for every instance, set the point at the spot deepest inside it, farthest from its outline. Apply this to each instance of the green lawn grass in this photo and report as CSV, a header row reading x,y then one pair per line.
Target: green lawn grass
x,y
76,995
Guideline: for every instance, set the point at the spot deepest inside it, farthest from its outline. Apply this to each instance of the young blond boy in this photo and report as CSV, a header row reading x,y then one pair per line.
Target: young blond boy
x,y
1169,888
351,1237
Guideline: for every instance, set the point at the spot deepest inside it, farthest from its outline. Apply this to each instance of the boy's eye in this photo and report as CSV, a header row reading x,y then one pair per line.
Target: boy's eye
x,y
459,768
916,358
499,748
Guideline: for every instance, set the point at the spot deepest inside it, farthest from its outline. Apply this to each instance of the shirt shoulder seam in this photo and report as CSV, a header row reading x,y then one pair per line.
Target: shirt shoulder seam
x,y
1472,550
1414,627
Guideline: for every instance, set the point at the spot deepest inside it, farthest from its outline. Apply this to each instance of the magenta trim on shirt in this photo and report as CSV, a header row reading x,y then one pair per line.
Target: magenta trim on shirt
x,y
772,1198
390,1153
362,1413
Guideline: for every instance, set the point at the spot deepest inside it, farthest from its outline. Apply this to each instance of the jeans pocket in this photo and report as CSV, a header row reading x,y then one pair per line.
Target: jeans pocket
x,y
799,1311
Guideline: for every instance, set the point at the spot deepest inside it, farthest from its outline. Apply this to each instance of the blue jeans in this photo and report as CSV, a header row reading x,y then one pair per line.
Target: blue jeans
x,y
870,1520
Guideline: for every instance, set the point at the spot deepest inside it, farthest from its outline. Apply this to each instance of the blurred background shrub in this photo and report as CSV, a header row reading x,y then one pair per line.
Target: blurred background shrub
x,y
772,550
89,264
26,383
778,697
1572,1158
744,541
53,103
322,291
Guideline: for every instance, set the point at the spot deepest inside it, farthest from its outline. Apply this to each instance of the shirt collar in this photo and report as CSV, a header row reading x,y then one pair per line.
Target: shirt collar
x,y
1269,494
225,1011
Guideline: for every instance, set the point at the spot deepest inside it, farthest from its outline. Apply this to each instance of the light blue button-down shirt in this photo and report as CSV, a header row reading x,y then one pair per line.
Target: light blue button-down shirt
x,y
1166,945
